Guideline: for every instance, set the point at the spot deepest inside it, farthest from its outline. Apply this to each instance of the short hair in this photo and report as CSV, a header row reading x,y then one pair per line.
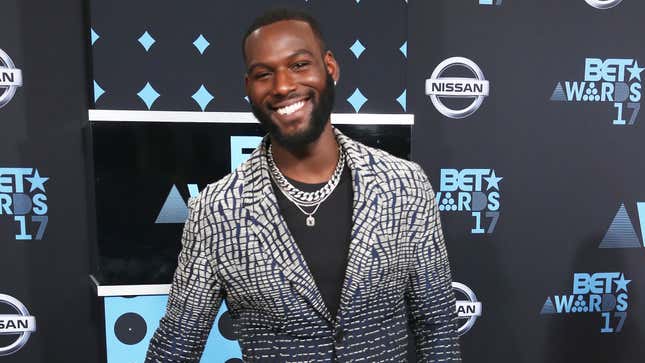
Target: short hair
x,y
281,14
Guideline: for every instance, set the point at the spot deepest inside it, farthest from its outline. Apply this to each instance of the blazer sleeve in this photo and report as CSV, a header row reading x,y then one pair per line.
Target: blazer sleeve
x,y
194,299
430,298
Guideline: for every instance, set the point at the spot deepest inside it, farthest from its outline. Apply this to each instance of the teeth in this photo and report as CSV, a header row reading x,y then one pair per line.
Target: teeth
x,y
287,110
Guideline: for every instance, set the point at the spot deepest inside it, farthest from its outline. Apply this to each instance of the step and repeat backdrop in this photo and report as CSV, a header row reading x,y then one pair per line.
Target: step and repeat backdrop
x,y
524,114
527,122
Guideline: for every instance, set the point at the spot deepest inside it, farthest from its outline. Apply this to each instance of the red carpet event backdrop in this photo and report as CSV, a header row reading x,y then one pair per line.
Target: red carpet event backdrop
x,y
524,114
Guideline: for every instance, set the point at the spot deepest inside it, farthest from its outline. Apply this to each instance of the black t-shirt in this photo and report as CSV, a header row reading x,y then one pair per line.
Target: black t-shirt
x,y
324,246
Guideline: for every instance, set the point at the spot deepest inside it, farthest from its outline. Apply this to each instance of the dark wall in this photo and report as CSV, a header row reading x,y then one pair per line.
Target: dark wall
x,y
41,128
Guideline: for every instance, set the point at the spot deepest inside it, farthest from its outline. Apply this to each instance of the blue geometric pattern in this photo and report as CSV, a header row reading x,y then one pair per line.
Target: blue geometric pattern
x,y
402,100
357,100
357,48
201,44
98,91
621,233
148,94
151,309
404,49
348,39
202,97
146,40
94,36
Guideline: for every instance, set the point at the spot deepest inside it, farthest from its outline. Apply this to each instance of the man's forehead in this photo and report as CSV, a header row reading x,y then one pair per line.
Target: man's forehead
x,y
282,33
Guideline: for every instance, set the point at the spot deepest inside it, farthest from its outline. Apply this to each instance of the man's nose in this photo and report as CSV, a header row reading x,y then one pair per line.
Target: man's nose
x,y
283,83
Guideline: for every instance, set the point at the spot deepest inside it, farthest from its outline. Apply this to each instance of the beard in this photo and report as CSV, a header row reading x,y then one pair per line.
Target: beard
x,y
319,117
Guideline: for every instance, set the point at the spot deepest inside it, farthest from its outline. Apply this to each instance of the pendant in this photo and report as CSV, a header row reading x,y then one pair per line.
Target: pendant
x,y
311,221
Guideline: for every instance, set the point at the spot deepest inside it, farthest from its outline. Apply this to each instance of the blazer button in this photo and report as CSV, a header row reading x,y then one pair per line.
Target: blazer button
x,y
339,335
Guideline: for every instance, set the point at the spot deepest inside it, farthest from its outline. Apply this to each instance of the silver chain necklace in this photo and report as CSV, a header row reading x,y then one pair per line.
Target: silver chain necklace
x,y
306,199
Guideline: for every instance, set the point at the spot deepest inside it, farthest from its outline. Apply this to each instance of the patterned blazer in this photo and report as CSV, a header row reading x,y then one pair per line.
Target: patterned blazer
x,y
236,246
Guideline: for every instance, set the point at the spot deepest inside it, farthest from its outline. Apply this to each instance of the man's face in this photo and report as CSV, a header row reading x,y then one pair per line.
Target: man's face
x,y
290,83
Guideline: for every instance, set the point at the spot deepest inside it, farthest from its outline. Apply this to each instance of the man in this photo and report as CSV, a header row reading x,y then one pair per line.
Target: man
x,y
324,249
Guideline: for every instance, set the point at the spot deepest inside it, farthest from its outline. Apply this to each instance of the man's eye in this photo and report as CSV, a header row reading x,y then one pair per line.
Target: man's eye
x,y
262,75
300,65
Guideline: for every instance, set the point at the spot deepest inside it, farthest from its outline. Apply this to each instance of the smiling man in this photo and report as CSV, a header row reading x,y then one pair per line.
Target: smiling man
x,y
324,249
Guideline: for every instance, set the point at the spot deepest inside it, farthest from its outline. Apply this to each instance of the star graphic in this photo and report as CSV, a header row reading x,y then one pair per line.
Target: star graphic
x,y
37,182
493,181
635,71
622,283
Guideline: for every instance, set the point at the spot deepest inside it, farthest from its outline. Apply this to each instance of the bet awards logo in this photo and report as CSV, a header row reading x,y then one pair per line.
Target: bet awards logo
x,y
175,210
475,191
469,309
616,81
10,79
601,292
26,203
474,90
603,4
621,232
20,324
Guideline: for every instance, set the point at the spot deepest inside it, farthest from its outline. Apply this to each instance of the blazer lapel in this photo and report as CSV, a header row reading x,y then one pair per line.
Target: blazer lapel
x,y
272,231
365,217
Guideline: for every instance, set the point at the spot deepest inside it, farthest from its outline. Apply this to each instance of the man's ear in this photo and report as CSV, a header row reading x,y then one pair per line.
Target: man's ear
x,y
331,65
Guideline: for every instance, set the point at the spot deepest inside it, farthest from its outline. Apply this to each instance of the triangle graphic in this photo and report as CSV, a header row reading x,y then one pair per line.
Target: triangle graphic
x,y
174,209
548,307
558,93
621,233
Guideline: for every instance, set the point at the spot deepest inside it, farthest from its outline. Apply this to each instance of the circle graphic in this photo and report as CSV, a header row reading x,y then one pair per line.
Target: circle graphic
x,y
457,87
10,79
469,309
21,324
130,328
603,4
225,326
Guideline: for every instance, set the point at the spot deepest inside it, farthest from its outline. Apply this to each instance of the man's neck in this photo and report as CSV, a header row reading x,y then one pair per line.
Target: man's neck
x,y
313,164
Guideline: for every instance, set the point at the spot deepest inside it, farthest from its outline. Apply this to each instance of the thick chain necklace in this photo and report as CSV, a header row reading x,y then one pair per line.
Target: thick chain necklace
x,y
301,198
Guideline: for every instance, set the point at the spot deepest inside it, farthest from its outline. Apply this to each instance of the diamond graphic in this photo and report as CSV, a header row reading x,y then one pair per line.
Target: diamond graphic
x,y
357,48
201,44
357,100
148,94
146,40
202,97
94,36
98,91
402,99
404,49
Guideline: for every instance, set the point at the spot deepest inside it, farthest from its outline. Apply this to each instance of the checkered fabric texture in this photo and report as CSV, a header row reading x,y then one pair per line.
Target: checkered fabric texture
x,y
236,246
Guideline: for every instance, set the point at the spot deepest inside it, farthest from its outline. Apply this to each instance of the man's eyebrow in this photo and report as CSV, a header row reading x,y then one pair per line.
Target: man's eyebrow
x,y
301,52
256,65
292,55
